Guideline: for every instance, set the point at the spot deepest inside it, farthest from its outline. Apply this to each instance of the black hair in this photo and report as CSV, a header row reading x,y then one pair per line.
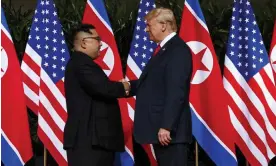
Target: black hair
x,y
83,28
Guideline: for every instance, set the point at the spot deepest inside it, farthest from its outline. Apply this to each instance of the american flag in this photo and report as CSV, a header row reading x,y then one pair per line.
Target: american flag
x,y
140,53
249,81
43,66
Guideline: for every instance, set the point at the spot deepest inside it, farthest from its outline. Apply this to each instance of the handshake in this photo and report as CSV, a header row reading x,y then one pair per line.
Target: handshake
x,y
126,86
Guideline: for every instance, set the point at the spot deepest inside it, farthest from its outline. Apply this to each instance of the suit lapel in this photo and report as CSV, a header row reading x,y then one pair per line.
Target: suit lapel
x,y
154,60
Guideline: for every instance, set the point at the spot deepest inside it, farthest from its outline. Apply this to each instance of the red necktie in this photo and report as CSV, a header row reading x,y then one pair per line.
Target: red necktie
x,y
157,49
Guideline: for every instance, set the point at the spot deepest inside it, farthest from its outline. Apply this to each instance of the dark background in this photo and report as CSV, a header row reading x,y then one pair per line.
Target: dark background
x,y
122,15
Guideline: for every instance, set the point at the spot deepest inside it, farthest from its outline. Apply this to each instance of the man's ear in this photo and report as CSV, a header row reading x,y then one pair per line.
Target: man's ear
x,y
83,44
164,26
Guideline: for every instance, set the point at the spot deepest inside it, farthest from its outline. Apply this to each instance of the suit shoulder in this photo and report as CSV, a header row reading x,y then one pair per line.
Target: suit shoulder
x,y
79,58
181,43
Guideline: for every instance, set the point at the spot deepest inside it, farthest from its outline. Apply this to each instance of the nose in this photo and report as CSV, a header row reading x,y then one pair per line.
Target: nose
x,y
147,28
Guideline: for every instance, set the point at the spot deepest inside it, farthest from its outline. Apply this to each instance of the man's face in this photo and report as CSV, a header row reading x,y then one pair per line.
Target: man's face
x,y
154,29
92,44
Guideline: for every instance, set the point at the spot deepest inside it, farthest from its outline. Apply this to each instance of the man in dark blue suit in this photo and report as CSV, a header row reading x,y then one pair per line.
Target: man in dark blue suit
x,y
162,115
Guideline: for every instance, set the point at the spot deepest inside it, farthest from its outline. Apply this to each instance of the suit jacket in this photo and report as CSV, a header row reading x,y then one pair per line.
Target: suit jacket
x,y
162,95
93,110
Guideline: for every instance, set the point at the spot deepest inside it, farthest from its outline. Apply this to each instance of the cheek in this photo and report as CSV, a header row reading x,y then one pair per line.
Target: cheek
x,y
154,31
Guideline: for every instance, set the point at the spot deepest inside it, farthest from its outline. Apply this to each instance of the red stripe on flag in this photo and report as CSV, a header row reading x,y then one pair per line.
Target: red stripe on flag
x,y
31,84
27,59
251,110
270,86
250,106
54,102
247,153
60,86
31,105
131,102
52,149
147,149
130,74
47,117
260,94
253,136
268,83
127,122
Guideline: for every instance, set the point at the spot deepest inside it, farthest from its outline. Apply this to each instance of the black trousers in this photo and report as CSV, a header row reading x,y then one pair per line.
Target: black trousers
x,y
171,155
90,156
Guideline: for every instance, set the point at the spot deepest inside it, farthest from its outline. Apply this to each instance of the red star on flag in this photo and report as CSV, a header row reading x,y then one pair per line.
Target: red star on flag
x,y
197,59
100,60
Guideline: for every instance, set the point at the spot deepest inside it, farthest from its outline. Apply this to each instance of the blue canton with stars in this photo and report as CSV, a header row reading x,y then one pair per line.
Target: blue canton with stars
x,y
141,47
245,45
47,39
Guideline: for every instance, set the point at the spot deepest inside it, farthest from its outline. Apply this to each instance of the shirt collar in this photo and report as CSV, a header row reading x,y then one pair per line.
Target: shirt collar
x,y
167,38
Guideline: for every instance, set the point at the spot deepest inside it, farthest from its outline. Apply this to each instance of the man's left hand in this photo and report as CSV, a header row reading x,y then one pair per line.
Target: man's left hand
x,y
164,136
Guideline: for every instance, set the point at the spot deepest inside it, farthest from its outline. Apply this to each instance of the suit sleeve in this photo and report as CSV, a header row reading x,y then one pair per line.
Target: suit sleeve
x,y
133,87
177,84
95,83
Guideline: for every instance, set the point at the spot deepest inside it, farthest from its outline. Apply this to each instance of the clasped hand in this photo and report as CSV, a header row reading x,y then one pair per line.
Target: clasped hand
x,y
126,86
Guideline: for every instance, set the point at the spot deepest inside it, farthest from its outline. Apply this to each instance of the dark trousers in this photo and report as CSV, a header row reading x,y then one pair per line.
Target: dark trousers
x,y
171,155
90,156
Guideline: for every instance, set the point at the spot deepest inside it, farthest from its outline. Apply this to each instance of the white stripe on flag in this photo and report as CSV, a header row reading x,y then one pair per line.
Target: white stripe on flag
x,y
13,147
30,73
245,137
48,106
51,135
251,120
212,133
33,55
129,152
31,94
152,151
53,88
270,100
196,16
133,66
269,71
130,111
6,32
100,17
251,95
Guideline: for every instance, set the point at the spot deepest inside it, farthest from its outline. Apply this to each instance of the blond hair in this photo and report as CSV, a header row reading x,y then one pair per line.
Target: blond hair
x,y
163,15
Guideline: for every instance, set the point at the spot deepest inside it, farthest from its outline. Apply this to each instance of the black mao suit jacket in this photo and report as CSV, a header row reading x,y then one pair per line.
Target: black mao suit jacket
x,y
93,110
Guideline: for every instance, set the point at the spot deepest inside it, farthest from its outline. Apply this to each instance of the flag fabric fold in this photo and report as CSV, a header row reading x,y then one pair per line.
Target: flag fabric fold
x,y
248,79
16,145
43,67
208,100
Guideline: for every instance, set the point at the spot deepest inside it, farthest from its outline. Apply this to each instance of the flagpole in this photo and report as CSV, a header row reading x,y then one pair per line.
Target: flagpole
x,y
196,155
45,156
247,164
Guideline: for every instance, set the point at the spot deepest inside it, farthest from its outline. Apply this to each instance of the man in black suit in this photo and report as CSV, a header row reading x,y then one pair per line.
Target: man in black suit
x,y
93,130
162,115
